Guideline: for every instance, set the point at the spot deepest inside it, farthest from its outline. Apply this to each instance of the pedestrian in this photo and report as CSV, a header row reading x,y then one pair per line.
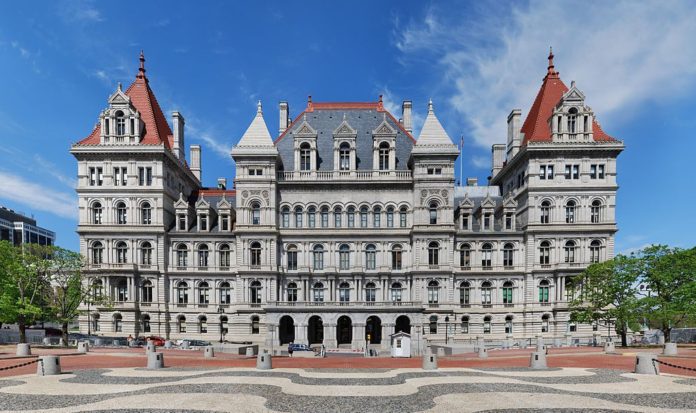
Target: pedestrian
x,y
323,350
290,349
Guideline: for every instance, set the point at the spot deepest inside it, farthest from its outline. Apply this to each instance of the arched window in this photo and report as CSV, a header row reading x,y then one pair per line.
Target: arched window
x,y
121,213
325,217
255,213
292,292
255,254
396,292
97,252
508,324
396,257
118,323
311,217
121,252
545,212
350,215
292,258
181,322
486,255
508,254
203,255
182,293
120,123
595,249
544,291
337,217
97,212
202,324
146,323
97,289
403,217
433,254
344,156
465,256
318,257
545,323
572,120
377,217
465,293
344,292
285,217
544,253
255,292
433,292
433,324
487,324
182,256
370,257
305,157
383,156
255,325
318,292
465,325
570,212
433,213
390,217
569,250
145,213
298,217
595,211
363,217
225,293
203,293
344,257
507,292
224,256
486,293
146,253
122,291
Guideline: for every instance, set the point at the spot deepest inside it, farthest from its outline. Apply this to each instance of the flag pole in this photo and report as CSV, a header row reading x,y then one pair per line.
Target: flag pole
x,y
461,160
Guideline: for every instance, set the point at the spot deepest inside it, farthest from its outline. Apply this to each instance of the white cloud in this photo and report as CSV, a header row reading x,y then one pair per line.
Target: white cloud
x,y
82,11
622,54
207,138
51,169
37,196
481,162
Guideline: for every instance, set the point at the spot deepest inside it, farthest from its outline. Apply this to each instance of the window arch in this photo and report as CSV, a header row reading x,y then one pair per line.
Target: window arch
x,y
377,217
255,292
97,213
224,256
146,253
344,257
122,291
203,256
486,288
97,252
390,217
203,293
433,324
433,292
570,212
255,329
487,324
120,123
344,292
569,250
508,255
305,157
465,293
225,293
507,292
403,217
486,255
545,323
544,253
370,257
182,255
311,217
285,217
465,256
396,289
433,253
397,257
337,217
465,325
97,289
595,211
324,217
363,217
292,257
572,121
145,213
118,323
181,322
121,252
595,250
350,215
255,213
182,293
508,324
121,213
298,217
202,324
544,291
255,254
384,156
145,321
292,292
318,292
318,257
344,156
432,208
545,212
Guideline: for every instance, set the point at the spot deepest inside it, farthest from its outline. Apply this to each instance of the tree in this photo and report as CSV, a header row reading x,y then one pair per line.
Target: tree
x,y
607,293
669,275
67,290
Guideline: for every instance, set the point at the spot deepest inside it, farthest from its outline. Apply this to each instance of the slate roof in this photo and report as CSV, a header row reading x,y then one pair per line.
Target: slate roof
x,y
212,196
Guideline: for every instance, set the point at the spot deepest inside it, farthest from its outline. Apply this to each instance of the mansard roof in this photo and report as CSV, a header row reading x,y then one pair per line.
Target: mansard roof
x,y
536,125
156,130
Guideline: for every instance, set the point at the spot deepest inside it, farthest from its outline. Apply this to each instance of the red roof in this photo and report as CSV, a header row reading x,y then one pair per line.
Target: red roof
x,y
216,192
536,126
156,130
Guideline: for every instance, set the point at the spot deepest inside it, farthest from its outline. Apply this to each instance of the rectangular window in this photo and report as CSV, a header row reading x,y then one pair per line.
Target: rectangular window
x,y
600,171
204,222
402,219
508,221
542,172
324,219
292,260
465,221
546,172
224,222
145,176
96,177
487,221
572,172
181,222
396,259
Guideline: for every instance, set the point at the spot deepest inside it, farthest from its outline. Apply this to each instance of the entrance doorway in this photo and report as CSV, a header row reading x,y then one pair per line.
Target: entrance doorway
x,y
315,330
373,330
286,330
403,324
344,330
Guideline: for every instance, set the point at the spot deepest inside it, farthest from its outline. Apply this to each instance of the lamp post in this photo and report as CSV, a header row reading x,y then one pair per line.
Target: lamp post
x,y
446,328
221,311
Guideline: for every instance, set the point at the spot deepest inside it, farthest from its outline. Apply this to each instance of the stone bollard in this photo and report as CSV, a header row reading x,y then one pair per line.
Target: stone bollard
x,y
155,360
250,352
670,349
609,347
263,361
645,364
46,341
537,360
150,347
23,349
61,342
482,353
661,340
98,342
168,344
48,366
540,346
83,347
430,362
208,352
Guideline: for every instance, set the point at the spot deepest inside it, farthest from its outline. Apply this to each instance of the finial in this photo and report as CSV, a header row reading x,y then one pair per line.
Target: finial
x,y
258,107
141,70
119,86
572,84
344,116
309,99
551,70
380,98
430,105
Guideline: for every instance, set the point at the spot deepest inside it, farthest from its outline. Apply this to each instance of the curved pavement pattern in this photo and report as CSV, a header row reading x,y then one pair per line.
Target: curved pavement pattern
x,y
299,390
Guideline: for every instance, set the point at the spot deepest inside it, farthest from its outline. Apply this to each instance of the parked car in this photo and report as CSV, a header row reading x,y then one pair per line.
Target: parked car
x,y
198,343
158,341
299,347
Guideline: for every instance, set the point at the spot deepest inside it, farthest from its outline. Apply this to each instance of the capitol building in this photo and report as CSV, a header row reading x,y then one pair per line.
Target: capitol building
x,y
343,226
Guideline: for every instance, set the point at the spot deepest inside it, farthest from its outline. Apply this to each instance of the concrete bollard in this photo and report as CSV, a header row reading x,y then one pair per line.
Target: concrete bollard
x,y
48,366
609,347
98,342
208,352
155,361
168,344
645,364
23,349
482,353
537,360
430,362
263,361
150,347
83,347
46,341
250,352
670,349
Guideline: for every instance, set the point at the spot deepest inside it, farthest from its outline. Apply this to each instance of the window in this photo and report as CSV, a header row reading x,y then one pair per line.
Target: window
x,y
311,217
508,324
121,252
396,257
433,324
203,222
390,217
121,213
396,292
465,325
292,292
203,254
465,293
486,255
344,257
370,257
120,124
298,217
350,214
97,253
486,325
570,212
595,247
544,291
146,323
203,293
285,217
97,211
118,323
434,171
344,156
507,292
508,253
145,176
569,250
255,292
433,254
465,256
433,213
318,255
377,217
546,172
545,323
146,253
572,115
255,251
545,212
433,292
224,256
255,213
486,293
337,217
146,213
572,172
487,221
572,327
363,217
597,171
508,220
325,217
318,292
182,256
96,176
383,156
544,253
181,222
305,157
595,210
402,217
182,293
122,291
202,324
120,176
181,321
225,293
465,221
292,258
344,292
255,172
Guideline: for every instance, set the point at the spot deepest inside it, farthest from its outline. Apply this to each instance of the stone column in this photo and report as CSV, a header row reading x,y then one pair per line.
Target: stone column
x,y
358,336
330,336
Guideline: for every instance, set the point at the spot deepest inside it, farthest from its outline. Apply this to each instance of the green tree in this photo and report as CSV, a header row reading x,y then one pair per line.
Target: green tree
x,y
607,293
67,290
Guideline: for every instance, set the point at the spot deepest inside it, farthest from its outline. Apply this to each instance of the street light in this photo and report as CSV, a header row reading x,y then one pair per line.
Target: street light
x,y
221,311
446,328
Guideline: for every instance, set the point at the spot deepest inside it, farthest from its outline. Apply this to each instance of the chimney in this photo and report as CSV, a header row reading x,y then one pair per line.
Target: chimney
x,y
406,115
498,158
179,145
471,181
514,125
284,116
222,183
196,161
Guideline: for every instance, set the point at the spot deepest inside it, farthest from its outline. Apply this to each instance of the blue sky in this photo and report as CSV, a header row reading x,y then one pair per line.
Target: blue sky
x,y
212,61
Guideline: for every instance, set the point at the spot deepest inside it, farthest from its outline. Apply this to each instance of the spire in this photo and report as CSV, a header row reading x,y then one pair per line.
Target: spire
x,y
258,108
257,134
433,133
551,71
141,70
430,106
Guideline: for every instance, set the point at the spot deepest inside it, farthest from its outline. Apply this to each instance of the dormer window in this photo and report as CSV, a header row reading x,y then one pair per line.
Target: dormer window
x,y
224,222
203,222
181,222
572,120
384,156
305,157
120,124
344,156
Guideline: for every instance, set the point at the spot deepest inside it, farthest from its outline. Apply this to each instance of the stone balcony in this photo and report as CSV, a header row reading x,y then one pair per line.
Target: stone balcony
x,y
347,176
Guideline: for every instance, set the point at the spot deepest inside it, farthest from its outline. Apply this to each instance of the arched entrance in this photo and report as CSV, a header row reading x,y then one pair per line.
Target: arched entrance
x,y
315,330
373,330
344,330
403,323
286,329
